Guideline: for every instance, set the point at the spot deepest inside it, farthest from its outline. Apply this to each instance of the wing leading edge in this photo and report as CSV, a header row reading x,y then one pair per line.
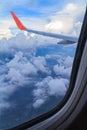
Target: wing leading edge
x,y
66,39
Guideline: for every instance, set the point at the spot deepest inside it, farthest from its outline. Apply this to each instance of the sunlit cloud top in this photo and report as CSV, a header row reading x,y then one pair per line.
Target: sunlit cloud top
x,y
55,16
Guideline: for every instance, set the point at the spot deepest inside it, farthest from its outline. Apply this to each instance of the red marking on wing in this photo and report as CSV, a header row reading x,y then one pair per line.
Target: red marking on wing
x,y
18,22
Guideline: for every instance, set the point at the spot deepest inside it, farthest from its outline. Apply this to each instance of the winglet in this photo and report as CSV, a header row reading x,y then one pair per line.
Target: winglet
x,y
17,21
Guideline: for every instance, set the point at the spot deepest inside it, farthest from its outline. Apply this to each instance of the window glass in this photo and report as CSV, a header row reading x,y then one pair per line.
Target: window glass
x,y
35,70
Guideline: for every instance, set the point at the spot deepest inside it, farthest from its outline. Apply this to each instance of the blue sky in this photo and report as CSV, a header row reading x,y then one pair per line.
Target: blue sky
x,y
34,7
39,12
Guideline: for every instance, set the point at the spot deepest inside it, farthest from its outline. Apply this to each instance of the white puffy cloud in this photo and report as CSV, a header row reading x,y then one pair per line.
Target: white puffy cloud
x,y
4,30
38,92
62,71
41,91
14,76
65,68
38,103
58,87
40,63
49,87
21,64
66,20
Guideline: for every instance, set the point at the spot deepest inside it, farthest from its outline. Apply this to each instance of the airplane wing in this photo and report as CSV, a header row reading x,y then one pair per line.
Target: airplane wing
x,y
66,39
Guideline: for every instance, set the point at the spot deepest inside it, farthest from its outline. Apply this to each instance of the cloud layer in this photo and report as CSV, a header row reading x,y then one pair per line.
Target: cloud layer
x,y
22,66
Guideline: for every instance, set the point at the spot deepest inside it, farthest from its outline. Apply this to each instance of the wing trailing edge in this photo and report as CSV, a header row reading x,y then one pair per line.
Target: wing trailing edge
x,y
68,39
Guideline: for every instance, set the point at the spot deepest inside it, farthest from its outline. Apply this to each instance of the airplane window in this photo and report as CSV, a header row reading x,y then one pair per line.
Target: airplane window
x,y
36,57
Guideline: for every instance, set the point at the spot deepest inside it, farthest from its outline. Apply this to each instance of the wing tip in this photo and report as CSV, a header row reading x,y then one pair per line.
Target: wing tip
x,y
17,21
